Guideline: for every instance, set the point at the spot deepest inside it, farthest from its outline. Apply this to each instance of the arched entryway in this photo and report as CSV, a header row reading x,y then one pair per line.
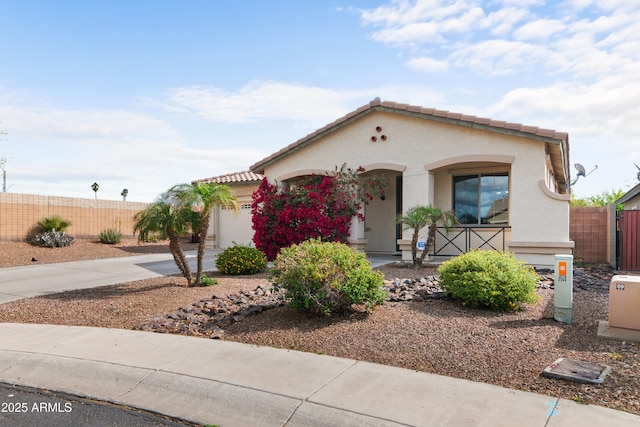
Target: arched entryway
x,y
380,229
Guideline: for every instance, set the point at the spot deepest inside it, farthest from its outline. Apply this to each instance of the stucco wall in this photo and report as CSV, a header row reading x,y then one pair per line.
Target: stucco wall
x,y
227,226
412,144
19,213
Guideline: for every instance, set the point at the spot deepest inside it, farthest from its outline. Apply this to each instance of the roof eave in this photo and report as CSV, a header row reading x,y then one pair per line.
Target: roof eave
x,y
560,140
635,191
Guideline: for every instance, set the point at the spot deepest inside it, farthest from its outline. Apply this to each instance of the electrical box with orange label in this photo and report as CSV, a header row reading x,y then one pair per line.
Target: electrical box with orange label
x,y
563,288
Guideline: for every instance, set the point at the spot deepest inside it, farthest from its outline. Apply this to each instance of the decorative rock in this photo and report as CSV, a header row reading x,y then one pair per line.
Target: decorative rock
x,y
209,317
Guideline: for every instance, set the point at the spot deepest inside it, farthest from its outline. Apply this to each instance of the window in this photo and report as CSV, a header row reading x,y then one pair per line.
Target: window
x,y
481,198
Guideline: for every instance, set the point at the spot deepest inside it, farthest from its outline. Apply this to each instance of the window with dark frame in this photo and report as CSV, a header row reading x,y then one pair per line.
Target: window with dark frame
x,y
481,198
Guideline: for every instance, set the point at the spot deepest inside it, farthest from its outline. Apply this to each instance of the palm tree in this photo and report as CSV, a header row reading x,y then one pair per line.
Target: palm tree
x,y
184,207
95,188
418,217
200,197
162,218
124,194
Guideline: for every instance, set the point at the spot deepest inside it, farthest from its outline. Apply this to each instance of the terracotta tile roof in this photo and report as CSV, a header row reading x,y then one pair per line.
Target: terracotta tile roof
x,y
233,178
428,113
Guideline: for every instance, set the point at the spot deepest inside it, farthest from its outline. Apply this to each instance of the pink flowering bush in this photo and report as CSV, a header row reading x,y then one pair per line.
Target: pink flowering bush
x,y
312,207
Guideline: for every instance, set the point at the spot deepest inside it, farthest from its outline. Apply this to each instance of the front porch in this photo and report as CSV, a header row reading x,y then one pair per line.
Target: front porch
x,y
462,239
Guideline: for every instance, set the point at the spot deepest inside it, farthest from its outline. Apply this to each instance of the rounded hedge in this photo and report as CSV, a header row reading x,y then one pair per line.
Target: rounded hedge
x,y
490,279
326,277
239,259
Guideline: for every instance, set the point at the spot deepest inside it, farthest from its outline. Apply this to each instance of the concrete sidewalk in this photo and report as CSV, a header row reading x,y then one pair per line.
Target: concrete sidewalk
x,y
232,384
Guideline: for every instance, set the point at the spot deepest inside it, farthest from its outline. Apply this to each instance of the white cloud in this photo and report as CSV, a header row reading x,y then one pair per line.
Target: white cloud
x,y
428,64
579,38
402,12
61,152
267,100
607,110
540,29
425,21
77,125
498,57
501,22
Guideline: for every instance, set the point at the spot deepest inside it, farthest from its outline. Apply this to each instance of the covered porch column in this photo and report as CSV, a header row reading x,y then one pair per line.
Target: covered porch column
x,y
356,232
417,189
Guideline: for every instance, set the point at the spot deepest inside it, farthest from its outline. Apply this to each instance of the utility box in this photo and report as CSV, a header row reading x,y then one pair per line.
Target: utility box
x,y
563,288
624,302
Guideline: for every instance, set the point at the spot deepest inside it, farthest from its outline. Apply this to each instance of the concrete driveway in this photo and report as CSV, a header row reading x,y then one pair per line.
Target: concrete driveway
x,y
44,279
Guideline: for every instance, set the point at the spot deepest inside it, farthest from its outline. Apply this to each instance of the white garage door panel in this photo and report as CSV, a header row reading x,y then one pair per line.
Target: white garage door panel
x,y
236,227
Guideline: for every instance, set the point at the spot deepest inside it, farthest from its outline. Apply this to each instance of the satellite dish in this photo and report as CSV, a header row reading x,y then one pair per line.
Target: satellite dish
x,y
583,172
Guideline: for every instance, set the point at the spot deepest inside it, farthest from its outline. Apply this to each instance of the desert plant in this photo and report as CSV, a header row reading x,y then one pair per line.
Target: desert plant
x,y
110,236
52,239
418,217
95,187
240,259
208,281
172,215
489,279
54,223
326,277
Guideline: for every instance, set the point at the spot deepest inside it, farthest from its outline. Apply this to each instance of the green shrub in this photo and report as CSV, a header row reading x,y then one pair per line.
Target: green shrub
x,y
54,223
110,236
52,239
326,277
240,259
208,281
490,279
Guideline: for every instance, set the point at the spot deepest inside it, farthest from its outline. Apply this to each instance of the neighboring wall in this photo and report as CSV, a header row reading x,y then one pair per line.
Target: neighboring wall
x,y
589,228
20,213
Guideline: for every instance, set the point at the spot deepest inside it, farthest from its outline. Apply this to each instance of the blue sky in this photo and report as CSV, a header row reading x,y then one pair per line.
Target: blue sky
x,y
144,94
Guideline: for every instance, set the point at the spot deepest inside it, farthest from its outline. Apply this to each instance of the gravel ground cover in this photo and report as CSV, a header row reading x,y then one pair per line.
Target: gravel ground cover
x,y
436,335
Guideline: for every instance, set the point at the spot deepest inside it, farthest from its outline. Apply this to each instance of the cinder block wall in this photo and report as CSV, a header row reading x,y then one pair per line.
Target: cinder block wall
x,y
20,213
589,229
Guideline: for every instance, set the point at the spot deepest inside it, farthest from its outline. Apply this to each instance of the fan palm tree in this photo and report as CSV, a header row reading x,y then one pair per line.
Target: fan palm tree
x,y
124,194
200,197
163,219
95,188
418,217
181,208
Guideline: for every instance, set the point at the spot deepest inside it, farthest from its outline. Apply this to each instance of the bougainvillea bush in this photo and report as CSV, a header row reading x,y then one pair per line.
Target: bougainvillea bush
x,y
315,206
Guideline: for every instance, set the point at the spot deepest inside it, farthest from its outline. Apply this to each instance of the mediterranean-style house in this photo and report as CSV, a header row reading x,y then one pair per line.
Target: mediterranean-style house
x,y
227,226
507,183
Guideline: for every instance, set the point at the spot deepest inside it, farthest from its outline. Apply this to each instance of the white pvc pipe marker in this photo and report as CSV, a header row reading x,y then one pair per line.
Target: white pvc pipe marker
x,y
563,288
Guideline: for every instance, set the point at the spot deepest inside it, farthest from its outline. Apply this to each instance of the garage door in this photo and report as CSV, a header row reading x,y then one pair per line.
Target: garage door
x,y
236,227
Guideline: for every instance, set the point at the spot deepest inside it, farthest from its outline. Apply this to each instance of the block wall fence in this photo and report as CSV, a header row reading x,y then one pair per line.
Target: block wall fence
x,y
589,228
20,213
